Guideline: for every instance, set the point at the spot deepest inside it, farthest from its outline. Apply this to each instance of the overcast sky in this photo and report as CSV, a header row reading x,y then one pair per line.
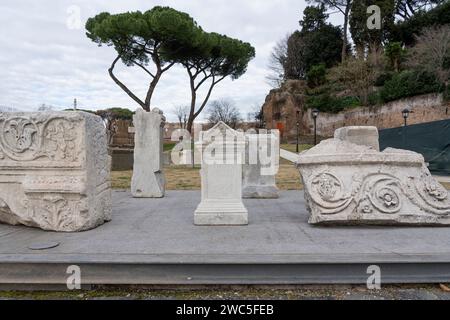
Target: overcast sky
x,y
45,58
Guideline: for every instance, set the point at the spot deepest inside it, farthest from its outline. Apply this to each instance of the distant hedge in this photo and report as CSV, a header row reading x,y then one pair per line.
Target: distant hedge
x,y
395,86
117,113
83,110
326,102
409,83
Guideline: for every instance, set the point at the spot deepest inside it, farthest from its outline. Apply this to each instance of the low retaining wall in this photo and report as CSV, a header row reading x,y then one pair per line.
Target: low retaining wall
x,y
123,158
426,108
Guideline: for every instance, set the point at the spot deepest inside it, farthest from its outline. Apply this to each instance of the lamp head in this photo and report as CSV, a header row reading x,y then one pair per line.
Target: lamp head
x,y
406,113
315,113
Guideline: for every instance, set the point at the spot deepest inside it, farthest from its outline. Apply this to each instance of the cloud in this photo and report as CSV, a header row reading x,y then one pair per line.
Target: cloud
x,y
45,61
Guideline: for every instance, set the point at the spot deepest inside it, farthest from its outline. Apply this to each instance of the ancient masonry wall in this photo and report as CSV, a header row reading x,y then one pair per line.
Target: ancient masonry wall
x,y
426,108
281,106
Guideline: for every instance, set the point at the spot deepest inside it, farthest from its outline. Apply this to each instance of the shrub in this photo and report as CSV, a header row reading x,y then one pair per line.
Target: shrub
x,y
328,103
322,102
409,83
382,78
446,93
374,99
396,54
316,76
357,75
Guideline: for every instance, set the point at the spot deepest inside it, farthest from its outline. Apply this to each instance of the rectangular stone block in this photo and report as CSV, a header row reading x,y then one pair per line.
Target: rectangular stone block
x,y
54,170
360,135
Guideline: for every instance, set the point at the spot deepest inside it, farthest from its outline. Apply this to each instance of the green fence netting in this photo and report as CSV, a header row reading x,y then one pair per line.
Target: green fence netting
x,y
431,139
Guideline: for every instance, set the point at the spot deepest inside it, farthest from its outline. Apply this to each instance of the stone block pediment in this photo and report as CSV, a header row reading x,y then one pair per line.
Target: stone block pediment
x,y
221,129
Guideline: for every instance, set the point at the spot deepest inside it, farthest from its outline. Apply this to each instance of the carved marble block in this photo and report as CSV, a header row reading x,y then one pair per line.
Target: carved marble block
x,y
221,177
365,136
148,179
261,166
54,170
346,183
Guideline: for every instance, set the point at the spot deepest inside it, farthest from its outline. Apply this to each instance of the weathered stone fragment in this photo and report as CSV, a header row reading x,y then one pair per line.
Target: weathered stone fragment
x,y
148,179
54,170
346,183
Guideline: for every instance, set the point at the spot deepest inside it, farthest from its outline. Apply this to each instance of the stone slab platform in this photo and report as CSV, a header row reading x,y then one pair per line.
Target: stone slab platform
x,y
154,241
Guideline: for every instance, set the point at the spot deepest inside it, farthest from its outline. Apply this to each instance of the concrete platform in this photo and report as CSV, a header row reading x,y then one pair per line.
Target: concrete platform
x,y
154,241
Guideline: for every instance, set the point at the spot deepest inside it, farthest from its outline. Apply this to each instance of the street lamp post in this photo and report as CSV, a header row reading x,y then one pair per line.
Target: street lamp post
x,y
298,126
405,113
315,114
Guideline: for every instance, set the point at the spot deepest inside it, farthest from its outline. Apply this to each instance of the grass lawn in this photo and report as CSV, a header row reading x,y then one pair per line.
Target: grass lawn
x,y
292,147
188,178
177,178
168,146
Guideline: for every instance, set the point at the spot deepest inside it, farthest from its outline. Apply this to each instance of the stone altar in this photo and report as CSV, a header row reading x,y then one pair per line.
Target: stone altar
x,y
222,150
261,165
148,179
54,170
347,183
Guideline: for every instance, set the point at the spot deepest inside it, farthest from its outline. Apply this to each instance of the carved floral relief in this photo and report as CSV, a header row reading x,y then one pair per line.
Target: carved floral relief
x,y
378,192
39,137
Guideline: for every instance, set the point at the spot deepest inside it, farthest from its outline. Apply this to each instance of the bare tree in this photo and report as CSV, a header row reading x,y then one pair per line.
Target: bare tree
x,y
358,75
255,115
182,113
432,52
224,110
277,62
108,118
294,66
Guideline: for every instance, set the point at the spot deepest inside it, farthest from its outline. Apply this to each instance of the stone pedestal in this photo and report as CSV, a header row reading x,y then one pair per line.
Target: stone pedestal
x,y
148,179
261,164
221,176
54,170
346,183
